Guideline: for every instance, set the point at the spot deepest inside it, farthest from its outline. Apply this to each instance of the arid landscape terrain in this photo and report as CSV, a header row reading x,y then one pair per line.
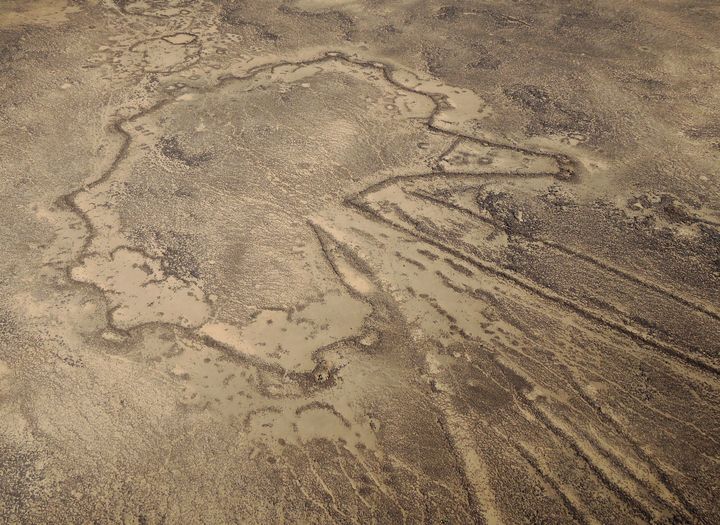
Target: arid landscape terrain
x,y
359,261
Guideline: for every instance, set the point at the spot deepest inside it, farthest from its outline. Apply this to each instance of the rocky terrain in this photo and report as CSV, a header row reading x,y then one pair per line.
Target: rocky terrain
x,y
314,261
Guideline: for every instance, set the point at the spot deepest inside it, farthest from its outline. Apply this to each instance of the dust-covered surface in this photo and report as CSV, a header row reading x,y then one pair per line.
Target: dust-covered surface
x,y
313,261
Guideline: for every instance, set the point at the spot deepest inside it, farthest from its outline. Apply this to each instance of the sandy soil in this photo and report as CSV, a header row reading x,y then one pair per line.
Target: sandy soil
x,y
303,261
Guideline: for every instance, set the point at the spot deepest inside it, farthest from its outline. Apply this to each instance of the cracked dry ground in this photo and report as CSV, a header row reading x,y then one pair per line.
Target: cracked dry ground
x,y
313,261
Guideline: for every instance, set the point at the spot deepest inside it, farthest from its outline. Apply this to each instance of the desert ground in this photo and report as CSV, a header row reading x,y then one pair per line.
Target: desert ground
x,y
362,261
